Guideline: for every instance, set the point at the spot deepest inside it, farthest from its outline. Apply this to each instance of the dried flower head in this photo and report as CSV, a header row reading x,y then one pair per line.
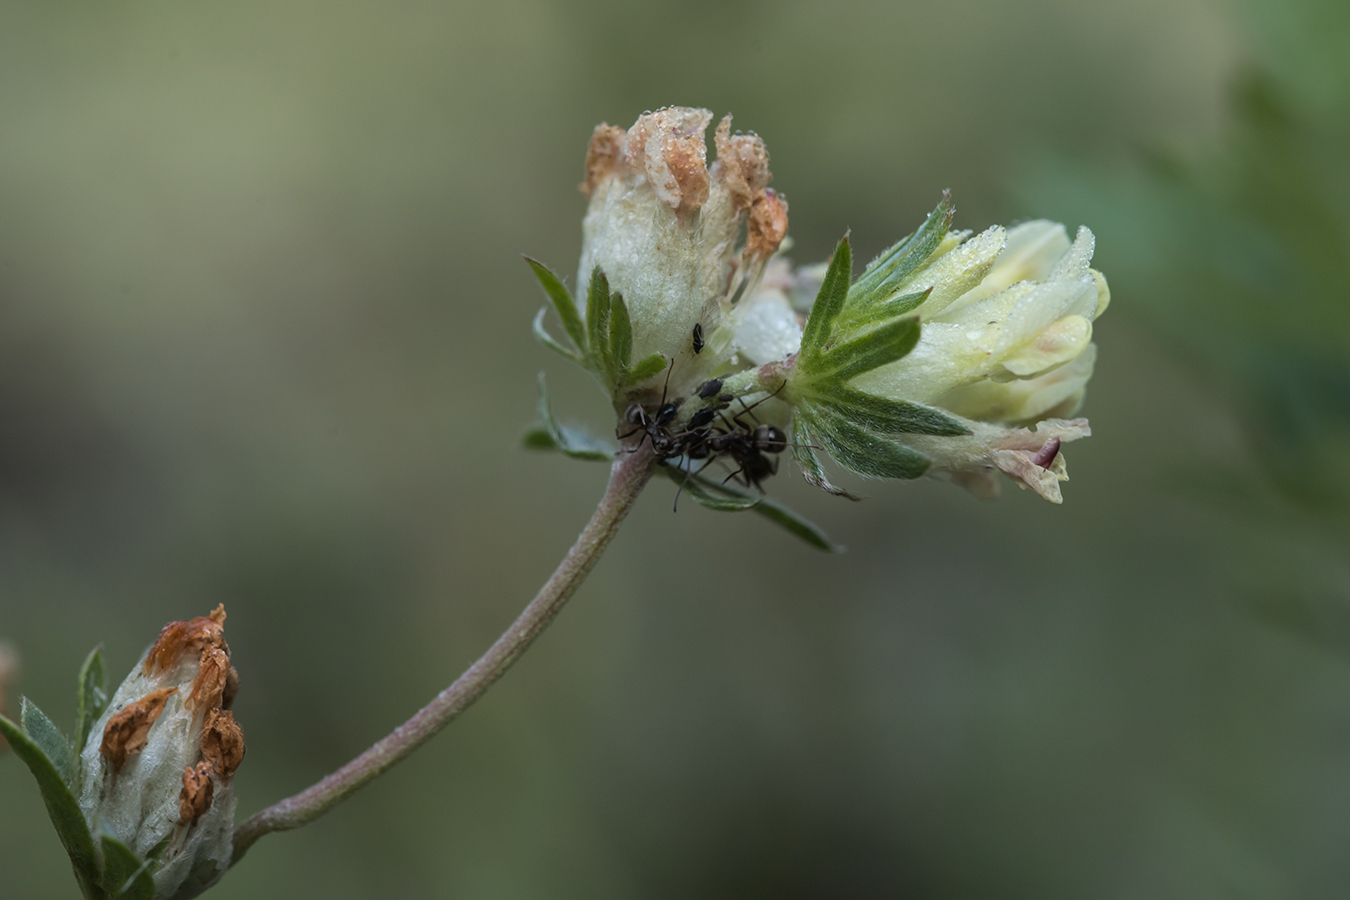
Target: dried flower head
x,y
159,763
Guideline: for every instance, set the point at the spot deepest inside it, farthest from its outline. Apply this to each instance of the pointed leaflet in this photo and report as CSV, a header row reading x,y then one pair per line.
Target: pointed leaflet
x,y
541,334
125,875
53,743
804,452
864,452
60,801
899,306
597,324
899,262
646,368
90,697
877,347
549,435
725,499
562,304
620,333
829,301
886,416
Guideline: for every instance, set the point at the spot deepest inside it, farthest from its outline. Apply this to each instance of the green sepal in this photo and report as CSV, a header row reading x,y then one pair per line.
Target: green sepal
x,y
52,742
597,324
91,697
829,301
620,333
864,452
548,434
899,306
125,875
846,361
719,497
804,453
886,416
885,273
61,806
563,305
542,336
645,369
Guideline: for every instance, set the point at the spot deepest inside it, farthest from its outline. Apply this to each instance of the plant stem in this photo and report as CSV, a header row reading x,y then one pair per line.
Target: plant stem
x,y
629,474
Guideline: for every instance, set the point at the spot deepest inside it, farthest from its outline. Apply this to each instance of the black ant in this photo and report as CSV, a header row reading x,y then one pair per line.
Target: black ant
x,y
656,428
736,438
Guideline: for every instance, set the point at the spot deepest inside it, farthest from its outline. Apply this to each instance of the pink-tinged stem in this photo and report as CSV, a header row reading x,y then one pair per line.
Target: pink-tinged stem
x,y
630,473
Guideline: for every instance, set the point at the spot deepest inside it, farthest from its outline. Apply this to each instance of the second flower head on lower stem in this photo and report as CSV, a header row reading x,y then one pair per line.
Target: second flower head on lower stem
x,y
951,355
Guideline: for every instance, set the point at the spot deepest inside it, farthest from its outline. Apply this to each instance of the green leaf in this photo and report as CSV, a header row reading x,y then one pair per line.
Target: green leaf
x,y
541,334
708,493
886,416
538,438
722,498
620,333
885,273
804,452
829,300
803,528
877,347
864,452
48,737
645,369
60,802
125,875
563,304
91,698
549,435
597,321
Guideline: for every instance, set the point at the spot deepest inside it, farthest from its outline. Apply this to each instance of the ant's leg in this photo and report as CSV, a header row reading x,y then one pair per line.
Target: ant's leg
x,y
688,474
666,386
750,409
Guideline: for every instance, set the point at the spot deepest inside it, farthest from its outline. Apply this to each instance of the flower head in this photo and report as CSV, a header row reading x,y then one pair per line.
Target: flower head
x,y
952,355
994,331
663,226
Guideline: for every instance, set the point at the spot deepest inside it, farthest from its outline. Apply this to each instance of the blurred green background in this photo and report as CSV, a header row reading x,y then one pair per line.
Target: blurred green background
x,y
264,340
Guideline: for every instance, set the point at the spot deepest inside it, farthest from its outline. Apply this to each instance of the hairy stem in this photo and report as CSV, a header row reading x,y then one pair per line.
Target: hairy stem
x,y
629,475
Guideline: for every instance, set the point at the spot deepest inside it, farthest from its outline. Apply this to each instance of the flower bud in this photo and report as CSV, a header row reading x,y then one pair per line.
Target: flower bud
x,y
159,763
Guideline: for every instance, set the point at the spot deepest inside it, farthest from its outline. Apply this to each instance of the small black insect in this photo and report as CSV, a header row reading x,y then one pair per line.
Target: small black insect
x,y
698,338
702,418
709,388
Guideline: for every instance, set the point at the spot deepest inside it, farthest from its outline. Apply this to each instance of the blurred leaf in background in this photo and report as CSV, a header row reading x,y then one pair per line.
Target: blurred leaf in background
x,y
1237,253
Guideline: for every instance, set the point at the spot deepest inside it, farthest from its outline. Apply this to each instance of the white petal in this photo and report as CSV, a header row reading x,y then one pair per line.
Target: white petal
x,y
768,329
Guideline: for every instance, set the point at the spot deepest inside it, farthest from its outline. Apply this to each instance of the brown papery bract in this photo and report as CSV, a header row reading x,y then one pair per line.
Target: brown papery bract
x,y
127,730
222,742
177,638
208,689
767,226
198,791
